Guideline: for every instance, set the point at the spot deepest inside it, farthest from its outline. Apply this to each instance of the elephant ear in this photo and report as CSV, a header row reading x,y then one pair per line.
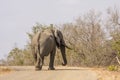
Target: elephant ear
x,y
62,42
57,38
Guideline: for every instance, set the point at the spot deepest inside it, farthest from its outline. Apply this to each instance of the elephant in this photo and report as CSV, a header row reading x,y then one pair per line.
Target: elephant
x,y
44,43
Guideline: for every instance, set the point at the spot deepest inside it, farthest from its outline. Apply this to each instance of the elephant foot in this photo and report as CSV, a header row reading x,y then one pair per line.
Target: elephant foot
x,y
38,68
63,64
51,68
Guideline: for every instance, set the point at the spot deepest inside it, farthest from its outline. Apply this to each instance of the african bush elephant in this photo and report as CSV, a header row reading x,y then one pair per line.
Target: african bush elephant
x,y
45,43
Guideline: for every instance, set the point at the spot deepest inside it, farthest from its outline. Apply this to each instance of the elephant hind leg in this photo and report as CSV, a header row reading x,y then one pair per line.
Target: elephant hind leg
x,y
42,60
38,64
34,55
35,58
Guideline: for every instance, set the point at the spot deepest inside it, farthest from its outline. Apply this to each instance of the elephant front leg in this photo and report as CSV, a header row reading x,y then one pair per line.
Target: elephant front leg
x,y
34,55
51,64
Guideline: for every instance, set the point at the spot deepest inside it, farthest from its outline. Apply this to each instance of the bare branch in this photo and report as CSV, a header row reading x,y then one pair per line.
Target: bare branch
x,y
117,60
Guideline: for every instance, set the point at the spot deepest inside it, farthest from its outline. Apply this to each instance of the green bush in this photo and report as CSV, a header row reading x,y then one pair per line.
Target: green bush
x,y
113,68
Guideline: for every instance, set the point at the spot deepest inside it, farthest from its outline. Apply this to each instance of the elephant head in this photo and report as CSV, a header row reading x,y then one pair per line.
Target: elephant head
x,y
61,45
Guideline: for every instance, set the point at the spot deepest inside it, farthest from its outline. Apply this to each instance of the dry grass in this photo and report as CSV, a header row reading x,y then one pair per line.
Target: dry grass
x,y
104,74
4,69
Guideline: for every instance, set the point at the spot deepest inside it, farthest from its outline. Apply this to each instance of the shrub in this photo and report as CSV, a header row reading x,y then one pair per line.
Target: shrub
x,y
113,68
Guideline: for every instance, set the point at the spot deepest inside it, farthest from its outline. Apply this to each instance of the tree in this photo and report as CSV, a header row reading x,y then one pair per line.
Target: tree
x,y
15,57
86,37
113,27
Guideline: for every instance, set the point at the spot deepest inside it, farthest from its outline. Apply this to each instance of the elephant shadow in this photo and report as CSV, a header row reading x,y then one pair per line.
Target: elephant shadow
x,y
30,68
73,69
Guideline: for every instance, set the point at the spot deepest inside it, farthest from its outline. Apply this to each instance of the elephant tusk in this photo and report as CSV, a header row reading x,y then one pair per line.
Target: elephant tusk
x,y
67,47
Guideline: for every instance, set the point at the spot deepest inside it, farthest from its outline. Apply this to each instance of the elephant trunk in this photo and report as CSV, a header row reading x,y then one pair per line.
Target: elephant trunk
x,y
62,48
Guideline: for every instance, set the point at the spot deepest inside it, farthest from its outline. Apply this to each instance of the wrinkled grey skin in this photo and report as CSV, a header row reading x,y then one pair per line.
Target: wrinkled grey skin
x,y
44,43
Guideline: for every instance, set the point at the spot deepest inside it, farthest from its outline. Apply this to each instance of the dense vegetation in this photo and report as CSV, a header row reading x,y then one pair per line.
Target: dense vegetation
x,y
95,41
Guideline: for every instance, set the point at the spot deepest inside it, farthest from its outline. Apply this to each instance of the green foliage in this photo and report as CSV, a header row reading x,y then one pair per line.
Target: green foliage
x,y
15,57
35,29
113,68
38,27
20,57
116,46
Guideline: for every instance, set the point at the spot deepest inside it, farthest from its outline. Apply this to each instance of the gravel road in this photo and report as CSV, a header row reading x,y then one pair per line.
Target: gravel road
x,y
61,73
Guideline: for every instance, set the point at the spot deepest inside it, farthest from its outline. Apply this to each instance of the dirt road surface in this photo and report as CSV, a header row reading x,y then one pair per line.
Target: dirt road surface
x,y
61,73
